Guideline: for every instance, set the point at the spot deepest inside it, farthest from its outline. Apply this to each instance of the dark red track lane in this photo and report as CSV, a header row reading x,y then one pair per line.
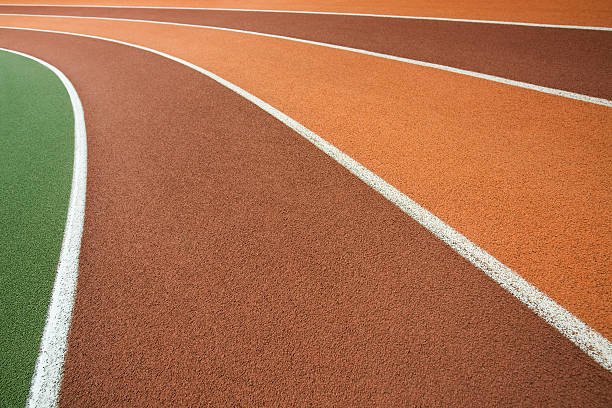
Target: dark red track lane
x,y
226,261
567,59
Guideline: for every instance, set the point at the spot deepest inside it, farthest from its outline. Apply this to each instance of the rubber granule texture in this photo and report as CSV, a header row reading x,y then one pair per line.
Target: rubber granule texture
x,y
226,261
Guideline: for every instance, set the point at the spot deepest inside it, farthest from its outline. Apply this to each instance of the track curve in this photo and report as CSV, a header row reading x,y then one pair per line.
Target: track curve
x,y
569,12
566,59
517,172
242,309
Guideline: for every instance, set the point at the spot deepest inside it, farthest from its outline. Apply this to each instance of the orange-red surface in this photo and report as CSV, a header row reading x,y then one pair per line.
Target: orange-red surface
x,y
571,12
226,261
525,175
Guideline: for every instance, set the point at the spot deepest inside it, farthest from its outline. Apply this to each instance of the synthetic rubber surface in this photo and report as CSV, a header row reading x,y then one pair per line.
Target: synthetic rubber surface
x,y
226,260
571,60
523,174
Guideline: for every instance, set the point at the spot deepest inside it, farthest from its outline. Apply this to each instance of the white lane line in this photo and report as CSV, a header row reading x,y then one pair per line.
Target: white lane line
x,y
459,20
493,78
45,385
587,339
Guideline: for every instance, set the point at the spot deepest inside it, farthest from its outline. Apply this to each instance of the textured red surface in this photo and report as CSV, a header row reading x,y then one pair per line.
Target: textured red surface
x,y
576,12
571,60
520,173
226,261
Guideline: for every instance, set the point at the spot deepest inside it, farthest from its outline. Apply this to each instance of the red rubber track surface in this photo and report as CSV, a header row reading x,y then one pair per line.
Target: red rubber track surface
x,y
228,262
580,12
567,59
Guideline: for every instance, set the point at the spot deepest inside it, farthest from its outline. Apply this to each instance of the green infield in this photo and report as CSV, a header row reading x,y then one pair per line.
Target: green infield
x,y
37,138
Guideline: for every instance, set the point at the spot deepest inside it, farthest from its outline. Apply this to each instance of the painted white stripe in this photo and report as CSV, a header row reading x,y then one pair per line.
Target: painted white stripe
x,y
45,385
493,78
589,341
460,20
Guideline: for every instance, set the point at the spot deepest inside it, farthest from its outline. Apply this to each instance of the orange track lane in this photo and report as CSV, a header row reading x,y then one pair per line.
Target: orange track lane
x,y
525,175
572,12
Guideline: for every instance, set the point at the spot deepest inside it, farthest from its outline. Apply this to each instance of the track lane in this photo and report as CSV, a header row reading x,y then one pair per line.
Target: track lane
x,y
567,59
572,12
253,313
523,173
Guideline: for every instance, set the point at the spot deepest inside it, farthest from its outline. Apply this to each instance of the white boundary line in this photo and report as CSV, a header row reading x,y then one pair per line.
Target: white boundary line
x,y
459,20
587,339
45,385
493,78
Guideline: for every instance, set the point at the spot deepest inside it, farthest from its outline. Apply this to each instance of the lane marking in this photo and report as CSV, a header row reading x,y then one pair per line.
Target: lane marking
x,y
586,338
459,20
493,78
45,384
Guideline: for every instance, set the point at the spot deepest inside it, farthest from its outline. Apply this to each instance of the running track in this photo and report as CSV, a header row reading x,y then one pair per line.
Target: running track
x,y
226,260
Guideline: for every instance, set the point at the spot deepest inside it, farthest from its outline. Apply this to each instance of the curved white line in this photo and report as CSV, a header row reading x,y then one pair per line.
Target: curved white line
x,y
493,78
45,385
459,20
587,339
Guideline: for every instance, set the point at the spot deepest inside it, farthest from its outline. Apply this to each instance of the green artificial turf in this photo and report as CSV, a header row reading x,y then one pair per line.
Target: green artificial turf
x,y
36,153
